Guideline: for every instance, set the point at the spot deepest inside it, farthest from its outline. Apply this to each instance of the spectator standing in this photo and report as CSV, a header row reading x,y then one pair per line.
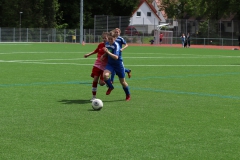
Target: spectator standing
x,y
161,37
183,38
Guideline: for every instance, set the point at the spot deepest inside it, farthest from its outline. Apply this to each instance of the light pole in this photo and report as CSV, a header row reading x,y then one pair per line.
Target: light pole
x,y
20,27
81,21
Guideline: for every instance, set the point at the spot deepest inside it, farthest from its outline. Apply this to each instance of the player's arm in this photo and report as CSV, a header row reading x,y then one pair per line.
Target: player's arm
x,y
93,52
114,56
89,54
125,46
103,56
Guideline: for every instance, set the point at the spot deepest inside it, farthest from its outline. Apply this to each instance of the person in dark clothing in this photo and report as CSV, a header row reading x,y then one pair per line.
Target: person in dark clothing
x,y
152,41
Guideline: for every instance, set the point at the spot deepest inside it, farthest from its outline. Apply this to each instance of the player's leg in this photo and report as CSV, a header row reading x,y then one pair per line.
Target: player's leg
x,y
128,71
121,75
106,75
112,76
95,75
94,87
125,88
101,79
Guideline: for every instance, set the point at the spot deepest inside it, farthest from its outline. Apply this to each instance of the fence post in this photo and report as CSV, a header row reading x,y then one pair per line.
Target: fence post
x,y
144,27
186,27
222,42
89,35
94,29
232,32
220,28
64,35
13,34
208,28
40,37
76,36
119,22
27,34
107,23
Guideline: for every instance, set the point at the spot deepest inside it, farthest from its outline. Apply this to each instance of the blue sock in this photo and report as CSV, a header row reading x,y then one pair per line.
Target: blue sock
x,y
127,70
112,76
126,90
108,82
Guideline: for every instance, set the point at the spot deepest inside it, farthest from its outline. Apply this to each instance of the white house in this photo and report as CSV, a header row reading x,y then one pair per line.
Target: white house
x,y
146,17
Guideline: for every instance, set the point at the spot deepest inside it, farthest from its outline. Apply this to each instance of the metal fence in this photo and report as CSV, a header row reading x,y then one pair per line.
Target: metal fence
x,y
38,35
203,32
223,28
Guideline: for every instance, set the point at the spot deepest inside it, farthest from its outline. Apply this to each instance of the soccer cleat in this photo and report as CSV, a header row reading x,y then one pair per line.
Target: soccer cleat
x,y
129,73
109,91
92,99
128,97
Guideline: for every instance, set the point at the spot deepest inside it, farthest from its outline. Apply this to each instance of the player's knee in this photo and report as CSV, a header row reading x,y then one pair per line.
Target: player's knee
x,y
106,75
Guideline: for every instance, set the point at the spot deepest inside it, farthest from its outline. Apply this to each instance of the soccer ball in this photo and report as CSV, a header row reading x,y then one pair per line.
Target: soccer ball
x,y
97,104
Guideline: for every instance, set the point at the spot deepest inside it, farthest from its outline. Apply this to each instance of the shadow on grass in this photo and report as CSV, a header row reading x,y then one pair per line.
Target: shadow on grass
x,y
83,101
85,83
77,101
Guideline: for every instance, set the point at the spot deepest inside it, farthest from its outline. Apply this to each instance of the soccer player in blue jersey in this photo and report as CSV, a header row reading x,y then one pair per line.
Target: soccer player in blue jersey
x,y
121,42
114,65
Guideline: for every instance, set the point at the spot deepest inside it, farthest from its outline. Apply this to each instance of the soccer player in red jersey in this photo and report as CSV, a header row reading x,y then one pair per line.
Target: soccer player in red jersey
x,y
99,65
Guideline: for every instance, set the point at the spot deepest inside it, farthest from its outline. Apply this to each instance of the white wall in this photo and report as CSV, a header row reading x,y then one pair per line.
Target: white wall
x,y
144,19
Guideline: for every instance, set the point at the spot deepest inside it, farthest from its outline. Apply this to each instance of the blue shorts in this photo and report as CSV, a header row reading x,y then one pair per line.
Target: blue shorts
x,y
119,70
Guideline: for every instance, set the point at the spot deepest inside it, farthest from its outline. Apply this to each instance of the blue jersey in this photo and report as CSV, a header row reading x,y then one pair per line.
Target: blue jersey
x,y
120,41
114,49
115,65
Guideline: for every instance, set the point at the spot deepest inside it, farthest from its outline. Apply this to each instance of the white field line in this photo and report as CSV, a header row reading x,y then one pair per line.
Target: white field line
x,y
13,44
128,65
39,52
73,59
169,54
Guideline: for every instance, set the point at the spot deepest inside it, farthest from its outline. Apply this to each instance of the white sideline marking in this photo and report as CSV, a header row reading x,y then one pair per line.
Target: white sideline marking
x,y
39,52
13,44
191,55
49,52
17,61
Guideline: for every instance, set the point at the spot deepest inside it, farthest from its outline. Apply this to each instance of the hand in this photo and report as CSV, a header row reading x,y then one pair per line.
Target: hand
x,y
102,58
86,55
105,49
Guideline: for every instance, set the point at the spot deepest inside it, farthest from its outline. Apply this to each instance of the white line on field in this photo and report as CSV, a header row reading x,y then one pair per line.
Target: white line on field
x,y
169,54
13,44
128,65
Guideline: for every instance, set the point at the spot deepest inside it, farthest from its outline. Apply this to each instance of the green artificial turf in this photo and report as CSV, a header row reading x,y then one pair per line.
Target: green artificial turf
x,y
184,104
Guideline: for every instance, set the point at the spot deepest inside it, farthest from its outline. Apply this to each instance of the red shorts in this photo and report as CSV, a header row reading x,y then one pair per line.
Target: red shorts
x,y
97,72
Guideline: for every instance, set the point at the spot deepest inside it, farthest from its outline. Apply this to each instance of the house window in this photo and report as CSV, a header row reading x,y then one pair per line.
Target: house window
x,y
229,24
149,14
138,14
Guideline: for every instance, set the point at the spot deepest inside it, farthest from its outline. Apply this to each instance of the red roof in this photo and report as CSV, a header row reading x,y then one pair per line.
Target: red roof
x,y
150,6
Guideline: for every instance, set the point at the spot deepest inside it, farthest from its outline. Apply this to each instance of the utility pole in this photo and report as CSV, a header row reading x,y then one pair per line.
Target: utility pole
x,y
81,21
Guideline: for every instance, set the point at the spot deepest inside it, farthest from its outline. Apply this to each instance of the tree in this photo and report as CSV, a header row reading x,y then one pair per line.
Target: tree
x,y
36,13
214,9
179,8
